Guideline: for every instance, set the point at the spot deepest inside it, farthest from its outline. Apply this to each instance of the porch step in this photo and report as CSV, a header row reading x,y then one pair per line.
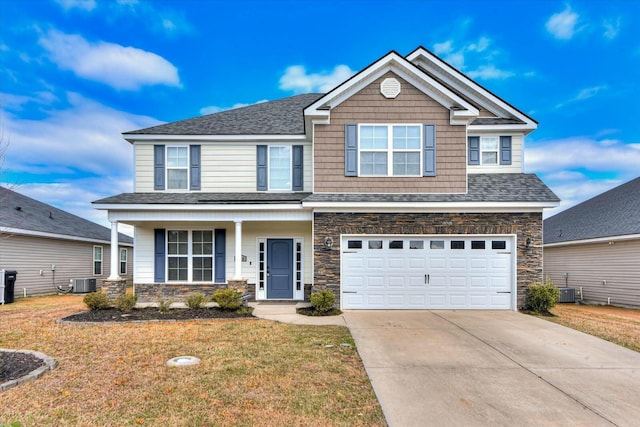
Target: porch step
x,y
263,308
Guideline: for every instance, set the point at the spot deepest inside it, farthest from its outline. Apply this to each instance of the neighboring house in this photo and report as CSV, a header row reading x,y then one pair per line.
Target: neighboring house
x,y
595,247
48,247
401,188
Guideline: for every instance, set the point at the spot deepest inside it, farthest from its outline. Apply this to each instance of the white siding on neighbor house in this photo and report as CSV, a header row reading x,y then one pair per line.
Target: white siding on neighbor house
x,y
590,265
225,167
29,255
517,157
251,231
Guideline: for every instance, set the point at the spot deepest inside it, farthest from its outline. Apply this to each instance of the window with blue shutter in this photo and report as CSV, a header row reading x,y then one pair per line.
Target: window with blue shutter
x,y
219,257
159,255
261,172
194,170
350,150
429,150
158,167
474,150
505,150
297,169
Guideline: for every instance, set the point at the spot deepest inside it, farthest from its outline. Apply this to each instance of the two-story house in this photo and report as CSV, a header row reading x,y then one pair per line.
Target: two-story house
x,y
401,188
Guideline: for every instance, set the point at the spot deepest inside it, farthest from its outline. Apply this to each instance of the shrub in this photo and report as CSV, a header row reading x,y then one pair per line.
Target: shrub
x,y
97,300
227,299
195,300
542,297
126,302
322,301
164,304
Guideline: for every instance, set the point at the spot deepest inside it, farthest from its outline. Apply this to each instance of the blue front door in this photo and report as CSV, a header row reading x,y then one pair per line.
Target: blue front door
x,y
279,268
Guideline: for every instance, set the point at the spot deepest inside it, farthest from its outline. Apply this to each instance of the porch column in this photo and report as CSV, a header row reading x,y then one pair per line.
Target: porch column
x,y
115,256
237,275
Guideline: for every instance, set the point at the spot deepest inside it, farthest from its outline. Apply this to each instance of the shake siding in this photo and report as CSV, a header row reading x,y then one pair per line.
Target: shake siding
x,y
516,166
225,167
29,254
369,106
589,265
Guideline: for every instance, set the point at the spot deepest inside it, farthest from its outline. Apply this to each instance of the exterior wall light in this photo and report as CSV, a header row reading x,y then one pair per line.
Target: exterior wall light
x,y
328,243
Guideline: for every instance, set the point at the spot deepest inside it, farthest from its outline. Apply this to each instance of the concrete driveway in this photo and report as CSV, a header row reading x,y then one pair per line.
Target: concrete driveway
x,y
493,368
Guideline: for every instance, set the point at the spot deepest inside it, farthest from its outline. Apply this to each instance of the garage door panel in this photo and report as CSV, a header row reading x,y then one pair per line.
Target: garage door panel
x,y
375,263
457,263
375,281
396,263
396,281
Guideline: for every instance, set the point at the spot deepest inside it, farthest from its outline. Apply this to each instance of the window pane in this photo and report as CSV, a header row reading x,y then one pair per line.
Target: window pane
x,y
489,158
373,163
97,253
177,179
280,168
396,244
406,163
375,244
457,244
354,244
177,242
498,244
123,254
177,157
436,244
373,137
406,137
416,244
477,244
202,243
489,143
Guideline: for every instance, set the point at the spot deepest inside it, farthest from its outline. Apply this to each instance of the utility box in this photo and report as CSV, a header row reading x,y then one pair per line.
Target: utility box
x,y
7,284
84,285
567,295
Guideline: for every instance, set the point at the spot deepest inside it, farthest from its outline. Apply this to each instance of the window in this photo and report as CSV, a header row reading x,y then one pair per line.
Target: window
x,y
390,150
97,260
457,244
375,244
498,244
489,150
436,244
123,262
396,244
416,244
178,255
190,255
279,168
202,251
477,244
354,244
177,168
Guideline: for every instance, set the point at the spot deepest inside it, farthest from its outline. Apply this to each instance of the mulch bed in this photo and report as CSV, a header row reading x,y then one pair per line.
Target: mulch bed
x,y
310,311
152,314
14,365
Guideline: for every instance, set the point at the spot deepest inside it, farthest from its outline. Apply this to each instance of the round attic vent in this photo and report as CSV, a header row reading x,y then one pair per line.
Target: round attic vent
x,y
390,88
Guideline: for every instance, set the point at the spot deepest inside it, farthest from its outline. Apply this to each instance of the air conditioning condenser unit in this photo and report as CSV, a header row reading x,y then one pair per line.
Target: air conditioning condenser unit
x,y
83,286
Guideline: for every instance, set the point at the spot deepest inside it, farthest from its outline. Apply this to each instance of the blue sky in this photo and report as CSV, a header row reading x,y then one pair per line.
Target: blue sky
x,y
75,74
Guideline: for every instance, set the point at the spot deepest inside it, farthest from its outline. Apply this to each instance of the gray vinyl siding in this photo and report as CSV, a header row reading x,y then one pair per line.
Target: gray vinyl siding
x,y
29,254
589,265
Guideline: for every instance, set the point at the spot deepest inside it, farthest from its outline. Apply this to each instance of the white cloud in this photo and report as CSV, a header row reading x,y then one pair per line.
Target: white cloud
x,y
215,109
584,94
489,72
480,52
562,25
611,28
124,68
87,5
297,79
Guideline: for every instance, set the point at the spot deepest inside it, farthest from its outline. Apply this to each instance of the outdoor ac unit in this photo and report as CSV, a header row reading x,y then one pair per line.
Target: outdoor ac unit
x,y
567,295
83,286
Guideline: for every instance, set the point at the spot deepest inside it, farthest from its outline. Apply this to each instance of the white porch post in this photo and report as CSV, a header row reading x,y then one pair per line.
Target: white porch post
x,y
115,256
238,266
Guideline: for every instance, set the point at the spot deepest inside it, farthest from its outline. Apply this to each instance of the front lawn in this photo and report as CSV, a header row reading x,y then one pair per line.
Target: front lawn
x,y
615,324
253,372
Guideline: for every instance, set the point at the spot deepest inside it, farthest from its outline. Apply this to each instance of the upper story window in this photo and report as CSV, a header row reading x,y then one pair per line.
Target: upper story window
x,y
177,168
489,150
390,150
279,168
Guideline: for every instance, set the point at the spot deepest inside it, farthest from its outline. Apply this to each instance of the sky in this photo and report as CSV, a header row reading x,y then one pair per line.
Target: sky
x,y
75,74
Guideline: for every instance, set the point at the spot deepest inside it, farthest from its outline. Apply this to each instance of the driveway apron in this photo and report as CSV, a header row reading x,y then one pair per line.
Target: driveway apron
x,y
471,368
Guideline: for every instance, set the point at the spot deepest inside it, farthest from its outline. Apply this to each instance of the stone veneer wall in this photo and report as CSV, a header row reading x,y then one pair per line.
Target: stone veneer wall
x,y
178,292
524,225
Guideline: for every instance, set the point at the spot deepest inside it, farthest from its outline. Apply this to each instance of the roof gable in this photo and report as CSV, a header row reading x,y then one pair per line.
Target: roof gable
x,y
613,213
22,213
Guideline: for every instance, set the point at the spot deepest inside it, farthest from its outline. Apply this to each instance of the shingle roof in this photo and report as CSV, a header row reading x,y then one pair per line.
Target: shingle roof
x,y
613,213
482,188
280,117
24,213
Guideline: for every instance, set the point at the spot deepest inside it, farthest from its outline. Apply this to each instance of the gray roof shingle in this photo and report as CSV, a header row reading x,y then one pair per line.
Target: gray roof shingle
x,y
482,188
281,117
24,213
613,213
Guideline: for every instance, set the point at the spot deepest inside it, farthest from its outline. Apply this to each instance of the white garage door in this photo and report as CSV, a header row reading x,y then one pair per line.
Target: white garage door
x,y
427,272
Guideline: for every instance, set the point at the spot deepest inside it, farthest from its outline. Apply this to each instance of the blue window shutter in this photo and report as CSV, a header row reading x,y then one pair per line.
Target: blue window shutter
x,y
159,255
350,150
261,168
220,241
505,150
297,171
194,170
158,167
429,150
474,150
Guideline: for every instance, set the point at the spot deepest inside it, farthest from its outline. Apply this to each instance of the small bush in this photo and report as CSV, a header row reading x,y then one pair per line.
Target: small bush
x,y
126,302
227,299
164,304
97,301
195,301
542,297
322,301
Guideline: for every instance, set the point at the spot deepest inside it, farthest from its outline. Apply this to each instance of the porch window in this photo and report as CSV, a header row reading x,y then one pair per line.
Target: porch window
x,y
177,168
190,255
202,249
178,255
390,150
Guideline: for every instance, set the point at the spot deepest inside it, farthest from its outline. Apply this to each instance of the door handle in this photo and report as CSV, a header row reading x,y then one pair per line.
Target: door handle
x,y
426,279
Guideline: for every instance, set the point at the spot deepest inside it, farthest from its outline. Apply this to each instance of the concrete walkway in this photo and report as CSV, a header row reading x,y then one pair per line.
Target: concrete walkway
x,y
286,313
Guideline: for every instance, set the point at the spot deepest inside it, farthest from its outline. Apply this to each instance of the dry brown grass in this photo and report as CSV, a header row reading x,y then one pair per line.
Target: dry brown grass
x,y
615,324
253,372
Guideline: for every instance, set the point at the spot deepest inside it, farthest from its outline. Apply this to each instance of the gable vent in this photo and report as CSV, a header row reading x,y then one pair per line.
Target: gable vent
x,y
390,88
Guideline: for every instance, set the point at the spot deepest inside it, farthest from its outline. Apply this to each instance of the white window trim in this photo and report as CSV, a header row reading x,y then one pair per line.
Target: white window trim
x,y
497,151
120,261
101,260
390,150
290,148
190,255
167,168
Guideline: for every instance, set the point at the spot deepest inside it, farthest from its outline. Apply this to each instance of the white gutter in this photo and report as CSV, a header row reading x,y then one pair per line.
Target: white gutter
x,y
19,231
595,240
